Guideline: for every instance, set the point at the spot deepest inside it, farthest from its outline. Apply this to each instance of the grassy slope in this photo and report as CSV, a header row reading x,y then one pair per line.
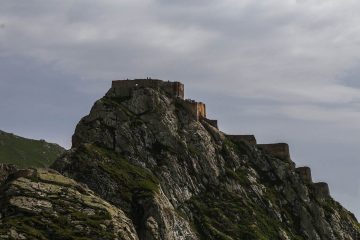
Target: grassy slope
x,y
25,152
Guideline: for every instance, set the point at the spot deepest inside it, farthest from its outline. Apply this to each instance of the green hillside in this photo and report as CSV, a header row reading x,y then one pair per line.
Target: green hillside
x,y
25,152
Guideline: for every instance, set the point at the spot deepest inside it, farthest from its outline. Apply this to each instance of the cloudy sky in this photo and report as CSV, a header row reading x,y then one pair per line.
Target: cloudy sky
x,y
284,70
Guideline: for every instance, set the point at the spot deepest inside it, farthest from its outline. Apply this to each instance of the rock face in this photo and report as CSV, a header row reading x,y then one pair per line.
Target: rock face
x,y
42,204
167,175
5,171
179,178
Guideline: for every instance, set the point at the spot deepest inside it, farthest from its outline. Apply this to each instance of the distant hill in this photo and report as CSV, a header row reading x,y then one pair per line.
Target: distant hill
x,y
25,152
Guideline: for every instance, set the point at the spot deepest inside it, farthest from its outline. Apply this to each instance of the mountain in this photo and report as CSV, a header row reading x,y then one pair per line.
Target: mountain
x,y
24,152
147,164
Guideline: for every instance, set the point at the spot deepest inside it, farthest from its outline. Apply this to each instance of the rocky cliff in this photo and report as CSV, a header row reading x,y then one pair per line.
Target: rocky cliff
x,y
42,204
159,173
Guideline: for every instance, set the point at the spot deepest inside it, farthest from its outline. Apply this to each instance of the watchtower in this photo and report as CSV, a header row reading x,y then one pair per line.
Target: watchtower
x,y
321,190
304,174
197,109
278,150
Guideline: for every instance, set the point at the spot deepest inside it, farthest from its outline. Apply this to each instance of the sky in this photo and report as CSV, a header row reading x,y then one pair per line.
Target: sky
x,y
284,70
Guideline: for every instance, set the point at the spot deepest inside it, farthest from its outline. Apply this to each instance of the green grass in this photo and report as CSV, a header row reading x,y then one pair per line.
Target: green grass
x,y
24,152
48,226
220,214
66,219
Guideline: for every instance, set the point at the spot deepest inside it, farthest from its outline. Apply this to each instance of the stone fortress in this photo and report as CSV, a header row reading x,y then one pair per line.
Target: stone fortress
x,y
123,88
175,90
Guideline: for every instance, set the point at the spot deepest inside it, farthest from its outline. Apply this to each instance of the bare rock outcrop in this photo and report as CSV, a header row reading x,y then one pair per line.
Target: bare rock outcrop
x,y
42,204
5,171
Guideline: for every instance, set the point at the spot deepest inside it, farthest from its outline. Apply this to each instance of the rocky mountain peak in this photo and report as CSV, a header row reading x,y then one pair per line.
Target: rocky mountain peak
x,y
153,155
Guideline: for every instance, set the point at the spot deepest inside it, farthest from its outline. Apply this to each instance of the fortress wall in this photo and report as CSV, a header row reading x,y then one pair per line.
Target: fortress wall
x,y
124,87
279,150
191,106
175,89
153,83
321,190
213,123
197,109
240,138
201,109
304,173
181,90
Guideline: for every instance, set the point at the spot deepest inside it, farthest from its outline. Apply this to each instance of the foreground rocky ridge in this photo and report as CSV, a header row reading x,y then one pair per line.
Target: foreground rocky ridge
x,y
172,175
42,204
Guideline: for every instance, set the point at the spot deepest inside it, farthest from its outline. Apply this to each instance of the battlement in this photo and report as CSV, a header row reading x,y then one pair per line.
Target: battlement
x,y
197,109
123,88
279,150
250,139
321,190
305,174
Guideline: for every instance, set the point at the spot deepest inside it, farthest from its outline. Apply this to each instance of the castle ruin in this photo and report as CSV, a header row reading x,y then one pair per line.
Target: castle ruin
x,y
124,88
305,174
278,150
321,190
197,109
175,90
250,139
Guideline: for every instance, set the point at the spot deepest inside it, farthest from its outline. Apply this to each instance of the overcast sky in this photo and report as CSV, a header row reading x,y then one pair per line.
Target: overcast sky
x,y
284,70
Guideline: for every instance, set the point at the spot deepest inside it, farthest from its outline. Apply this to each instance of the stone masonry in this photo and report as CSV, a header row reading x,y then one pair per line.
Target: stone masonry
x,y
250,139
279,150
321,190
124,87
304,173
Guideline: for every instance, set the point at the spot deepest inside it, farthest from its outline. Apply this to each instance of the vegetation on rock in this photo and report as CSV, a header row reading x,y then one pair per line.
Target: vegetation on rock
x,y
42,204
24,152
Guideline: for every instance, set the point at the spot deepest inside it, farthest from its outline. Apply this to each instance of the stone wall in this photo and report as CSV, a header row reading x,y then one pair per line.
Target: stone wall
x,y
305,174
279,150
176,89
197,109
201,109
321,190
123,88
246,138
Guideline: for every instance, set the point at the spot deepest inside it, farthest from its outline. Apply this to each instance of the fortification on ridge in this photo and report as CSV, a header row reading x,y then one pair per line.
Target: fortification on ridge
x,y
123,88
175,90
